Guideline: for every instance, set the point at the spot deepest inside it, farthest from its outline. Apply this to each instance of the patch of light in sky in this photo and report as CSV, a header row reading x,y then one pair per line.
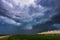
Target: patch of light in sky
x,y
11,4
23,2
26,2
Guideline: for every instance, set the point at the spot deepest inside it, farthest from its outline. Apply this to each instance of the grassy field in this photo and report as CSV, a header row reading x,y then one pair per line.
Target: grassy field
x,y
33,37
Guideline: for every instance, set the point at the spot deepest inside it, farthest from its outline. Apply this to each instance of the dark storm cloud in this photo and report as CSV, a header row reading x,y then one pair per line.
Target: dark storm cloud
x,y
54,23
39,16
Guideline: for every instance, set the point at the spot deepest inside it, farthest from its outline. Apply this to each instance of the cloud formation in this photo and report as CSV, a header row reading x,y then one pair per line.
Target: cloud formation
x,y
26,14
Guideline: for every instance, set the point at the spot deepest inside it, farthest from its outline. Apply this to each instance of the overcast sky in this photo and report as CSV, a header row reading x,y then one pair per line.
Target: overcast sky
x,y
25,14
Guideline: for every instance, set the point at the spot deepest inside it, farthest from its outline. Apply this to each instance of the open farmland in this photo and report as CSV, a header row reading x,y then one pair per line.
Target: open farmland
x,y
33,37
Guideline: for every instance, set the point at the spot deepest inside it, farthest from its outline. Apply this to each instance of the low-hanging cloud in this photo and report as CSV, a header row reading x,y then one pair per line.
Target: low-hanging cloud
x,y
26,15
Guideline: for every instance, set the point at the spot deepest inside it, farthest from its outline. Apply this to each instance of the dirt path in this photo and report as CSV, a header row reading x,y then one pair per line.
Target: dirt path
x,y
4,36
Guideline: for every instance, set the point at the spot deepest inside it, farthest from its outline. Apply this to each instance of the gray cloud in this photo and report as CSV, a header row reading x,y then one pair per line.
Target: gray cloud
x,y
26,17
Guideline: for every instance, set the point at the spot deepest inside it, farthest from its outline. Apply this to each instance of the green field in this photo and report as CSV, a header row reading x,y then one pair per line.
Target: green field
x,y
33,37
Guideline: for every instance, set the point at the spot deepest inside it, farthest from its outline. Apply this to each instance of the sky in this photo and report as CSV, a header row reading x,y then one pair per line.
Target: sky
x,y
29,16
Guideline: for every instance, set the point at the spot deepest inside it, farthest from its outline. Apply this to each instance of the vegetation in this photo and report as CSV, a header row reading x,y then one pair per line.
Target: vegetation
x,y
33,37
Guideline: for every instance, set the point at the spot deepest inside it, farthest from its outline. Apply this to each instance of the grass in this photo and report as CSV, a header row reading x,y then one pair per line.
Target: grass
x,y
33,37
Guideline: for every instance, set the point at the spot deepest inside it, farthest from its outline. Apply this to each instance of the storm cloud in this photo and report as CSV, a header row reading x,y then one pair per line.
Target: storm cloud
x,y
30,16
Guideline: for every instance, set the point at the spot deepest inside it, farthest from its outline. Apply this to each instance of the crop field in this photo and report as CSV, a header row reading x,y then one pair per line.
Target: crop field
x,y
33,37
